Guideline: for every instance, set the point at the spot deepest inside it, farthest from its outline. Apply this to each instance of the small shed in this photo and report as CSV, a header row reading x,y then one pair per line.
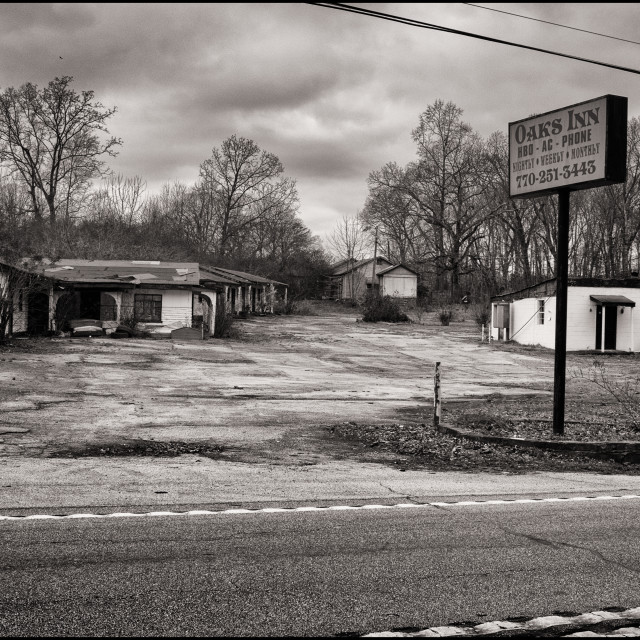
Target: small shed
x,y
351,279
398,281
600,314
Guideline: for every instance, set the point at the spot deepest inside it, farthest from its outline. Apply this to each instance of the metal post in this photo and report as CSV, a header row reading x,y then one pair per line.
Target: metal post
x,y
602,317
482,339
562,268
436,397
375,259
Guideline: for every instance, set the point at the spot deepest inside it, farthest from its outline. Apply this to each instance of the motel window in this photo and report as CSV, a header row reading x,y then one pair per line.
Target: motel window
x,y
148,307
540,312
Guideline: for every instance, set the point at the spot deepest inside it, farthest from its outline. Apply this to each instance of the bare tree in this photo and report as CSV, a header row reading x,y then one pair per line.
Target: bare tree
x,y
395,214
120,198
349,240
53,139
245,181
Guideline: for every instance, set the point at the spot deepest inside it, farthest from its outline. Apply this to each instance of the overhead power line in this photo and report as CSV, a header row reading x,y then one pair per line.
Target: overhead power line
x,y
555,24
426,25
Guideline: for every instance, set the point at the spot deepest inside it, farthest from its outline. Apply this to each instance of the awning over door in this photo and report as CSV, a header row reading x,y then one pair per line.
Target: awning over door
x,y
613,301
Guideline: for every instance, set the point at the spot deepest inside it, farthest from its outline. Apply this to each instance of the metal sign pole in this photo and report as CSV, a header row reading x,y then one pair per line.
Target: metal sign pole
x,y
562,270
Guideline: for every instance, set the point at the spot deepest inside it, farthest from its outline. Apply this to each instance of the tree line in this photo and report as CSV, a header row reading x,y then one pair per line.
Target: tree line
x,y
448,215
58,197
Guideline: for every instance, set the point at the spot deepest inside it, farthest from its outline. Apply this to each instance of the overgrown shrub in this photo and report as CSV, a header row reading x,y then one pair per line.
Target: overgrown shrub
x,y
129,318
482,314
445,314
224,327
294,307
625,390
378,308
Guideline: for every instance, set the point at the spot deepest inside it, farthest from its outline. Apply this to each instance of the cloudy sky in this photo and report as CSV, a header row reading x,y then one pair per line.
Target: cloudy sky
x,y
333,94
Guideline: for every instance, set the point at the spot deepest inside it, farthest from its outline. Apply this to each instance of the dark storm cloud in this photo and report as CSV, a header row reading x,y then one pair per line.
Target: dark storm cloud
x,y
334,95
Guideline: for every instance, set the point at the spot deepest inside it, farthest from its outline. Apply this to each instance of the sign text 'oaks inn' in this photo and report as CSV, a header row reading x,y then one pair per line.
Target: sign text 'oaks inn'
x,y
578,147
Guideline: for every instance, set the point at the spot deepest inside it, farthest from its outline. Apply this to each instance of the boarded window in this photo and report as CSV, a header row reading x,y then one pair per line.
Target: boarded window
x,y
540,311
148,307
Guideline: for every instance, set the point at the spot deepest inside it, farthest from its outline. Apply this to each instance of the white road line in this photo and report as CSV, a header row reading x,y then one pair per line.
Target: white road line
x,y
530,626
365,507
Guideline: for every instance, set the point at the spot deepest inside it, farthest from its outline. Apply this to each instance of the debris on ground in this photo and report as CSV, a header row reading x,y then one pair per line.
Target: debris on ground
x,y
423,447
139,448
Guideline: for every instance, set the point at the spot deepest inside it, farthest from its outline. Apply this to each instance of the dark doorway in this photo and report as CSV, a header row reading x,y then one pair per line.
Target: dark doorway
x,y
90,305
220,305
610,326
37,312
67,310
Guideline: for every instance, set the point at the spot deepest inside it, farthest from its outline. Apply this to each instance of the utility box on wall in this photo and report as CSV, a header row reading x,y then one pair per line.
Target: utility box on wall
x,y
501,316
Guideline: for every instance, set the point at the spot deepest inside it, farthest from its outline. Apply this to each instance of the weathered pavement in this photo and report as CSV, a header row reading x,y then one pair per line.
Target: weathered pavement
x,y
287,374
105,485
265,398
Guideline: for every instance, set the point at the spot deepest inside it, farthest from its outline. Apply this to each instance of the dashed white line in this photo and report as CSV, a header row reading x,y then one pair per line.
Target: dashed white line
x,y
365,507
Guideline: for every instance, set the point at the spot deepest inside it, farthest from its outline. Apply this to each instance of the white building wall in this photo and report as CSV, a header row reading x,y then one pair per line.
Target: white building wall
x,y
399,286
581,320
177,304
524,325
20,311
582,314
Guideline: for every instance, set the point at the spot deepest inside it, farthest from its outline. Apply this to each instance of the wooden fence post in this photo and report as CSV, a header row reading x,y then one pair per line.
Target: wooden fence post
x,y
436,397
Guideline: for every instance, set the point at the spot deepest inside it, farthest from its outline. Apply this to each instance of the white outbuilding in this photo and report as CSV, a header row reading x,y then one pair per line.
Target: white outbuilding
x,y
398,281
601,315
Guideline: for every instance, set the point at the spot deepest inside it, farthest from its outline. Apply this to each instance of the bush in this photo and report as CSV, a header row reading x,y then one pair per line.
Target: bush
x,y
625,390
446,316
378,308
225,327
482,315
294,308
132,321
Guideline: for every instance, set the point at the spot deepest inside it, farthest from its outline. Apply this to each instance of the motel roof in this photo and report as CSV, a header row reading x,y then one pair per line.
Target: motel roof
x,y
133,272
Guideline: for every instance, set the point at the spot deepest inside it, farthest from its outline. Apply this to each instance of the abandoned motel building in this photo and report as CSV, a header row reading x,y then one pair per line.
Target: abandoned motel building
x,y
165,299
601,314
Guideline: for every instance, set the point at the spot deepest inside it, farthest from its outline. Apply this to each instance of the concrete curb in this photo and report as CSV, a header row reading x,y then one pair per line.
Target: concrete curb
x,y
621,451
535,626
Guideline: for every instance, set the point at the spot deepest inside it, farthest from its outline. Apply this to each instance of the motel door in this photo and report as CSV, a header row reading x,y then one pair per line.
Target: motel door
x,y
610,326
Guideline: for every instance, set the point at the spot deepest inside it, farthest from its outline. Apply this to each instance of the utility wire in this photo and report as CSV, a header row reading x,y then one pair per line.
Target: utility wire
x,y
555,24
435,27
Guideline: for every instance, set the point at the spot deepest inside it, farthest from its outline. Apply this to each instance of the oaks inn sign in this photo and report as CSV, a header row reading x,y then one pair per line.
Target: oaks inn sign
x,y
578,147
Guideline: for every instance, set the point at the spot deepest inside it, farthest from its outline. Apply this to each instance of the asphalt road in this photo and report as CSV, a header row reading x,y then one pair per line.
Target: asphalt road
x,y
318,573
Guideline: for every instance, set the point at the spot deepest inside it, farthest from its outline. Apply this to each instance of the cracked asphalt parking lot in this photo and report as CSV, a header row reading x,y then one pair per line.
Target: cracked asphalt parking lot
x,y
266,395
